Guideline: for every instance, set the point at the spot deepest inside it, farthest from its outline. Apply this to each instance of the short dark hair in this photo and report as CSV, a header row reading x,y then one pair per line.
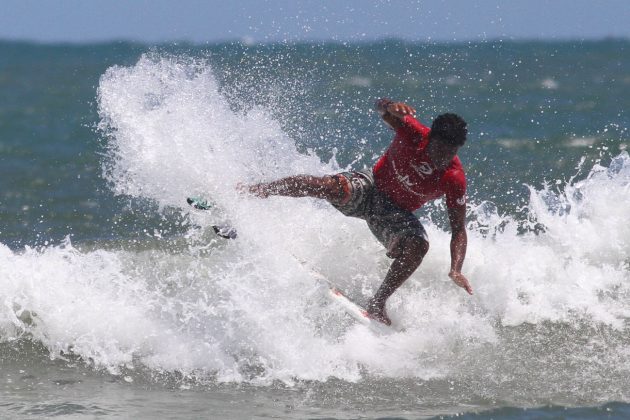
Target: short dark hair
x,y
449,128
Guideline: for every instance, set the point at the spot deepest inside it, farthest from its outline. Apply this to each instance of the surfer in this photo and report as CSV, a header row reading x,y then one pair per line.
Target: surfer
x,y
420,165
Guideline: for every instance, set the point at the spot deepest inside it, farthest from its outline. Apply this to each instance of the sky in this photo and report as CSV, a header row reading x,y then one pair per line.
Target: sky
x,y
158,21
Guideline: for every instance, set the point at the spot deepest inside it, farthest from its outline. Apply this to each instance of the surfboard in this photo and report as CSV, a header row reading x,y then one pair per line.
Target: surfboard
x,y
356,311
334,293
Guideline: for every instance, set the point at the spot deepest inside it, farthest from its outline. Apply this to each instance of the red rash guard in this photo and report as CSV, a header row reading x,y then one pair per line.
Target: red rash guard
x,y
408,177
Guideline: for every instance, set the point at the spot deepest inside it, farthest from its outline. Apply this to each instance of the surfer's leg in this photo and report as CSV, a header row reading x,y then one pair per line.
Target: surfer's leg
x,y
335,189
406,241
409,254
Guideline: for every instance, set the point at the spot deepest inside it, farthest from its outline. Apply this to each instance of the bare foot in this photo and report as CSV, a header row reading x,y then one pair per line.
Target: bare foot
x,y
377,311
257,190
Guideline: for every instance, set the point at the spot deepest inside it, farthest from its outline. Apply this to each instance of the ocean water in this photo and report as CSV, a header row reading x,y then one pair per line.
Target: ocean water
x,y
118,300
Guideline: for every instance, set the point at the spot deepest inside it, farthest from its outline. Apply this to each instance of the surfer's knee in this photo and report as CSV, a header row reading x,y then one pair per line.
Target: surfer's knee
x,y
415,247
409,246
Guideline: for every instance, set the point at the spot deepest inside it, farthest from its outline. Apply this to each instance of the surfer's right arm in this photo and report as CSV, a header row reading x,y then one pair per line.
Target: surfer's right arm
x,y
392,112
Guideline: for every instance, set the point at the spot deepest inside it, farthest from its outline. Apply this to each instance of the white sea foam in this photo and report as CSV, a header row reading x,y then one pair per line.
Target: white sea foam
x,y
581,142
247,309
359,81
549,83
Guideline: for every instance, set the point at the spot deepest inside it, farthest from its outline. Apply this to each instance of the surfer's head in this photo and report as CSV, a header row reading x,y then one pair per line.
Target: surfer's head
x,y
450,129
448,134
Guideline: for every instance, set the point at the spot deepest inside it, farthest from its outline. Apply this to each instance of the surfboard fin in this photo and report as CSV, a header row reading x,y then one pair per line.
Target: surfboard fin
x,y
224,231
199,203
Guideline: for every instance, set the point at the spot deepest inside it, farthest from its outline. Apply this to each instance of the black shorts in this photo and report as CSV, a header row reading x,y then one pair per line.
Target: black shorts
x,y
386,220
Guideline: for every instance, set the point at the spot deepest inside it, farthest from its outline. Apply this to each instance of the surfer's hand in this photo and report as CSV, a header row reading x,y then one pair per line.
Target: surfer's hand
x,y
400,110
461,281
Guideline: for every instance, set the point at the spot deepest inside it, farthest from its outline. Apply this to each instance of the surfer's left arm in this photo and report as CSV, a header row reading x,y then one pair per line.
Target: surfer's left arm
x,y
459,242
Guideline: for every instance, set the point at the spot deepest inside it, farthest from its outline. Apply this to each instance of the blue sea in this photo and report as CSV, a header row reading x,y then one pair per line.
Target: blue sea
x,y
117,299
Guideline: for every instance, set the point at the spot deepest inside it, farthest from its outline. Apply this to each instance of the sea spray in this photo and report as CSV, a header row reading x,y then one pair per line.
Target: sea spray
x,y
520,277
550,304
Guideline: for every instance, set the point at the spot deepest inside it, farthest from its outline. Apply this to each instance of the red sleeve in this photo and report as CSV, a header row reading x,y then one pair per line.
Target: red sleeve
x,y
412,130
455,188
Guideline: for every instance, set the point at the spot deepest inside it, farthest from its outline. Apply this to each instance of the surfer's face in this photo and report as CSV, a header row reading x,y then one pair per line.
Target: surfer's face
x,y
440,153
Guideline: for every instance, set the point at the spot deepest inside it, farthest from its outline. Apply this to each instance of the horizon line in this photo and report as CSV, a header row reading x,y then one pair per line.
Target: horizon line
x,y
250,41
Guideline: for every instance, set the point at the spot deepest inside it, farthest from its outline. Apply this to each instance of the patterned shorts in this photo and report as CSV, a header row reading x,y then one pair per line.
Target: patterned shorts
x,y
386,220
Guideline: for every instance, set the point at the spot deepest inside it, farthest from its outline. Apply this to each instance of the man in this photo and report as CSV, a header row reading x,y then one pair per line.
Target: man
x,y
420,165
